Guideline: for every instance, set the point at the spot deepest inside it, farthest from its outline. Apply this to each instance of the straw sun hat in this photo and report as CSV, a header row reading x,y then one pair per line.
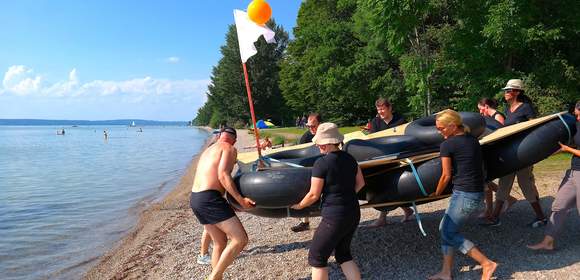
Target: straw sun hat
x,y
327,133
514,84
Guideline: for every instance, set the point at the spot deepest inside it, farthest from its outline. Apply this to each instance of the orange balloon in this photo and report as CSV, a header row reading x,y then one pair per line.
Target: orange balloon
x,y
259,11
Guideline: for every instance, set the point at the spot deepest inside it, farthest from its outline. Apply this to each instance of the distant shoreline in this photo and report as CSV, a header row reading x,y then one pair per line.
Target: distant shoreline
x,y
123,122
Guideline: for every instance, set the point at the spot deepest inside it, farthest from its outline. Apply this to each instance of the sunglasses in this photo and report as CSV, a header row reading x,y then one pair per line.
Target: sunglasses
x,y
309,125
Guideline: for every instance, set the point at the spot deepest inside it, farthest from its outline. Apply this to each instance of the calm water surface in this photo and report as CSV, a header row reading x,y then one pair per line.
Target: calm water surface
x,y
65,199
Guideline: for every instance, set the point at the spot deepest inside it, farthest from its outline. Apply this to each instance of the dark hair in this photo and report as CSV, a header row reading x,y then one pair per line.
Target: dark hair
x,y
229,130
577,105
382,101
488,101
315,115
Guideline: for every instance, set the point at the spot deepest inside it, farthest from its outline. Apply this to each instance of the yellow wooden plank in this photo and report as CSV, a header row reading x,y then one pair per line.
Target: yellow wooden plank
x,y
513,129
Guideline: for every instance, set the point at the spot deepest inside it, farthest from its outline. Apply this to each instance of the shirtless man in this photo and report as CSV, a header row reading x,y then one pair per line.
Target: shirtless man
x,y
212,179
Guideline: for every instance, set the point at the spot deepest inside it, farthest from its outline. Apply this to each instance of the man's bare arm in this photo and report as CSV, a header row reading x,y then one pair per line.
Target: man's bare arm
x,y
225,167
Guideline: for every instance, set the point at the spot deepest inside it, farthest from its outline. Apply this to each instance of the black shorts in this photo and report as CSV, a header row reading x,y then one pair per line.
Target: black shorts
x,y
333,234
210,207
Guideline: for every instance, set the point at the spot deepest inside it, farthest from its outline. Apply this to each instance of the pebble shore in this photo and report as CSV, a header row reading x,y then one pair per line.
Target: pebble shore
x,y
165,243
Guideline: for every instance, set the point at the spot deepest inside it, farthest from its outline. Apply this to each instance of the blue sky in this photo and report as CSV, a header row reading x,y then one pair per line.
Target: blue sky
x,y
104,59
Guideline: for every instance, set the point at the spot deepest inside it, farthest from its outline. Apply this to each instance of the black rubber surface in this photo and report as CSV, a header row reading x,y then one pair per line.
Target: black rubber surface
x,y
398,146
276,189
527,147
424,128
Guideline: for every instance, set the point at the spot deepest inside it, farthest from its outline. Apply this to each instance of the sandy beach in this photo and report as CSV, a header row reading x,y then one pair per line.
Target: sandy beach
x,y
165,243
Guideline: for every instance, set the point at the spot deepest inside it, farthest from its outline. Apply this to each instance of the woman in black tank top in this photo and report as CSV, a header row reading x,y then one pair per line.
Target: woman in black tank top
x,y
488,108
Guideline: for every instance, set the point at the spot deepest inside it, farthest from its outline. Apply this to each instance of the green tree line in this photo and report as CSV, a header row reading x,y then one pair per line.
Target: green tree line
x,y
423,55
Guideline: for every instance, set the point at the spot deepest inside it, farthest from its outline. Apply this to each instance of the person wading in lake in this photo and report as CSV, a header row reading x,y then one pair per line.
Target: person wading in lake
x,y
212,179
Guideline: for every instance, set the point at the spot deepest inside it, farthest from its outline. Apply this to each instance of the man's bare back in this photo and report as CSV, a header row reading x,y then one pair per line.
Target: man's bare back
x,y
214,170
218,157
212,178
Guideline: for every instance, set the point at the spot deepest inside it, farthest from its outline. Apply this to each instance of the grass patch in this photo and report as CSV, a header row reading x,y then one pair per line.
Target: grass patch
x,y
557,162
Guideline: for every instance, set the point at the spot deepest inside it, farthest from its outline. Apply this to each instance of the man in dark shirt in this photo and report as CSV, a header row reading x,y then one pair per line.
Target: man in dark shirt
x,y
517,111
386,119
314,119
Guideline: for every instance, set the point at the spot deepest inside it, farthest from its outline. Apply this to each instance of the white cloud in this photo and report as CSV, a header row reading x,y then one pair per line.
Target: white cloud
x,y
21,80
173,59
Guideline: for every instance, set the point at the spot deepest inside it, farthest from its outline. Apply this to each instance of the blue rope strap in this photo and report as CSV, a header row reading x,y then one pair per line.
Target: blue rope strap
x,y
268,161
418,217
413,204
416,174
567,128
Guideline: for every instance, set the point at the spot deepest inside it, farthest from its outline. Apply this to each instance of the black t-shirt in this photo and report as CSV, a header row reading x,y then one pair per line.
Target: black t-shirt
x,y
497,113
467,161
306,137
576,160
523,113
338,169
377,124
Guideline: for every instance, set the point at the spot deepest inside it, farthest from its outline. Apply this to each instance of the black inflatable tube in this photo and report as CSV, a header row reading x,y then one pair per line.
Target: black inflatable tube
x,y
401,184
403,145
527,147
424,128
275,188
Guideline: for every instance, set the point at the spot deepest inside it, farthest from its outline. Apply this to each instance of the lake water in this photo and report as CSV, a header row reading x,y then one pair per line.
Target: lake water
x,y
65,199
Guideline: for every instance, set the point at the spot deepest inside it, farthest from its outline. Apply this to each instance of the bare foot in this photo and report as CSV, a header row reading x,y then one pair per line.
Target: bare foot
x,y
440,276
506,206
488,270
408,214
407,218
485,214
376,224
541,246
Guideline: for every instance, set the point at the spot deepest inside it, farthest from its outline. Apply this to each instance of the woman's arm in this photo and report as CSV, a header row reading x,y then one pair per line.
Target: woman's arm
x,y
445,176
316,185
500,118
360,180
569,149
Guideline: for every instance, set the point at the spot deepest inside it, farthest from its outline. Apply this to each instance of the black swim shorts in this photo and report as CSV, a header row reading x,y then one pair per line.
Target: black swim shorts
x,y
210,207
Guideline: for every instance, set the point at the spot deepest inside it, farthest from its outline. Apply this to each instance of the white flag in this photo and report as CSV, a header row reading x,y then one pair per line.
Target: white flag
x,y
248,34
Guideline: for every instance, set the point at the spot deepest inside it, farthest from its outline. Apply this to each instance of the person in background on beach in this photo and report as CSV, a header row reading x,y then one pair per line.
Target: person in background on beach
x,y
568,195
314,119
488,108
266,143
519,109
462,163
105,134
386,119
204,258
212,179
338,178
